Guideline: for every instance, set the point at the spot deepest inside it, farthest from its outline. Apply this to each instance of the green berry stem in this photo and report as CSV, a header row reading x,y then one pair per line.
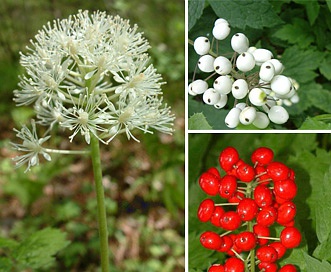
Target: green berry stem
x,y
102,220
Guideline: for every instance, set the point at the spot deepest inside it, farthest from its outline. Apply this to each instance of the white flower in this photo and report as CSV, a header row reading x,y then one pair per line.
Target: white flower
x,y
85,117
31,146
91,74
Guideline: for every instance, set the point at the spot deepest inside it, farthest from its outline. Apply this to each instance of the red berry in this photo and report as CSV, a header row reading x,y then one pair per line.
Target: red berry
x,y
286,189
210,240
228,157
216,268
261,175
230,220
281,250
263,195
214,171
268,267
278,171
215,217
236,197
286,213
288,268
266,216
226,244
262,156
245,172
290,237
247,209
261,231
245,240
266,254
234,264
209,183
206,210
227,186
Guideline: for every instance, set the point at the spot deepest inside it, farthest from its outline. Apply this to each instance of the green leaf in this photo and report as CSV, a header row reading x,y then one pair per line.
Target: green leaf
x,y
329,4
252,13
325,67
300,64
38,250
198,121
214,117
315,124
296,33
323,210
7,243
312,9
195,9
316,265
5,264
323,251
319,97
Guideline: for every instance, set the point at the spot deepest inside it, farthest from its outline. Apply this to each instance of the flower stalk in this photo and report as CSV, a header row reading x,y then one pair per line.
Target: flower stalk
x,y
102,218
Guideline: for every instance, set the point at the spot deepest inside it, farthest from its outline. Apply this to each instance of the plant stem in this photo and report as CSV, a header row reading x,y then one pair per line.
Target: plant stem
x,y
102,221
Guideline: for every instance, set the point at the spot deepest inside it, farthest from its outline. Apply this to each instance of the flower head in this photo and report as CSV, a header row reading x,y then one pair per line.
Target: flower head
x,y
91,74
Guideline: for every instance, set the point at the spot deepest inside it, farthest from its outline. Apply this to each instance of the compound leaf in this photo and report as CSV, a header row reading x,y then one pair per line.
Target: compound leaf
x,y
38,250
198,121
195,9
314,264
296,33
252,13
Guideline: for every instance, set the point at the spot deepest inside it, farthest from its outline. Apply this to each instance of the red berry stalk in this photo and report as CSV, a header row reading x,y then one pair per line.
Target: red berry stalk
x,y
258,196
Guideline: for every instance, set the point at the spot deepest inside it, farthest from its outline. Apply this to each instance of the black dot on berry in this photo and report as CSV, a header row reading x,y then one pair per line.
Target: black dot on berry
x,y
268,67
237,35
208,100
206,40
217,67
246,119
243,54
216,82
236,87
199,62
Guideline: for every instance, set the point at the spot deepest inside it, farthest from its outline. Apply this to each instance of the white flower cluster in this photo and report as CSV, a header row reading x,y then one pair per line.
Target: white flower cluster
x,y
252,75
90,74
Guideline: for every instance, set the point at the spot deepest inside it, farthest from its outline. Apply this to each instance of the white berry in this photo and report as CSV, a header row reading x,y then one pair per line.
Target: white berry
x,y
199,86
247,115
261,120
245,62
220,20
232,118
261,55
279,67
211,96
221,102
278,115
241,105
223,84
206,63
281,84
201,45
267,71
239,88
221,31
239,43
222,65
257,97
190,92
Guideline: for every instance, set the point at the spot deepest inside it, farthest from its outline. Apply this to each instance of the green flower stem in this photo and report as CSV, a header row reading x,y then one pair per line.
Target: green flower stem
x,y
102,221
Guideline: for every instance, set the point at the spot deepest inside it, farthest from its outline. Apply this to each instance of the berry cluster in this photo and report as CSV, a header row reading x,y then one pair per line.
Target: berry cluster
x,y
258,197
252,75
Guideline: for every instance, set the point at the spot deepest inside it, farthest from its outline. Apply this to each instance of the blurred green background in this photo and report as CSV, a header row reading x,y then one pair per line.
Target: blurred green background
x,y
144,183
